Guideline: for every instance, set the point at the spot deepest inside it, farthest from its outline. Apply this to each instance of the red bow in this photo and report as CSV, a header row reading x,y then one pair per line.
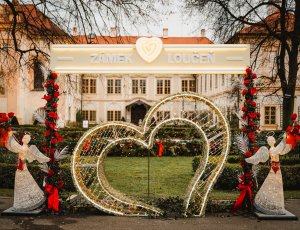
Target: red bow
x,y
20,165
245,189
53,202
160,149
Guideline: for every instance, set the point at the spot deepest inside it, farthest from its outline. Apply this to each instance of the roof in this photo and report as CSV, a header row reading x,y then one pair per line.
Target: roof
x,y
81,39
272,21
37,23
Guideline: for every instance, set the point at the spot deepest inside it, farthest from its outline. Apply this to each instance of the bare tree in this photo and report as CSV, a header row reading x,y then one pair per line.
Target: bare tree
x,y
275,37
28,27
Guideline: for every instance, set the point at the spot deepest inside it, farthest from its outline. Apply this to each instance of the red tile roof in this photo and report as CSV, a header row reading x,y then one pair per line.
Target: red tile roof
x,y
272,21
81,39
37,23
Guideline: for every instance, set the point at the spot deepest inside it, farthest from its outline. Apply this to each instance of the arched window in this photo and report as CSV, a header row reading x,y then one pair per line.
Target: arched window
x,y
38,76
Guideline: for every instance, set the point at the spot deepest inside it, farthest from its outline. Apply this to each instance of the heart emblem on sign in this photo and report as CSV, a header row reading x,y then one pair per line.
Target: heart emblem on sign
x,y
149,48
88,163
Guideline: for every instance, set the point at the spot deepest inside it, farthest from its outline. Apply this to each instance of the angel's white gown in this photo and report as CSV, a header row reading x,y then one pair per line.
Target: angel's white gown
x,y
27,193
270,199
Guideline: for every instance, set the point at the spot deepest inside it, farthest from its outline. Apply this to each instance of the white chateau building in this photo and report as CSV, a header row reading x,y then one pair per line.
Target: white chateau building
x,y
115,97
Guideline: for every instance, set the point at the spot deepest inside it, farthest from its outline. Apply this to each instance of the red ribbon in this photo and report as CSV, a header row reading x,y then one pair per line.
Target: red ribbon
x,y
160,149
245,190
20,165
53,202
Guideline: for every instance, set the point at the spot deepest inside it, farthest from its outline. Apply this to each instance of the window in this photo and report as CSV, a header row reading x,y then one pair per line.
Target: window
x,y
188,85
270,115
89,85
223,79
162,115
89,115
2,84
163,86
38,76
210,82
113,115
205,83
113,86
189,114
216,81
138,86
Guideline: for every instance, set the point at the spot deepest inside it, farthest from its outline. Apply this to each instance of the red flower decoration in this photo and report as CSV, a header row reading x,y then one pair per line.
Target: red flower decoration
x,y
56,86
245,91
289,129
244,109
246,82
252,91
248,154
251,135
11,115
53,115
46,85
248,70
253,103
251,123
252,115
56,94
52,151
54,75
52,126
294,116
258,114
255,149
47,133
54,105
54,141
254,76
2,115
51,81
244,130
47,97
50,172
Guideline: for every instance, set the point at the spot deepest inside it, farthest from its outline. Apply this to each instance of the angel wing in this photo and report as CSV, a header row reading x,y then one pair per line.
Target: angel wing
x,y
44,167
243,143
241,119
62,154
282,148
34,153
13,144
39,116
262,155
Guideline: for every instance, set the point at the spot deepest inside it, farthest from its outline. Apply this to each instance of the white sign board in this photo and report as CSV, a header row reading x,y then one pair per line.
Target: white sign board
x,y
150,55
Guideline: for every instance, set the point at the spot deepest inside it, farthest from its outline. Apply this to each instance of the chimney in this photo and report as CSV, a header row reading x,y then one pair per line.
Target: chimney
x,y
165,32
75,31
202,32
113,32
272,9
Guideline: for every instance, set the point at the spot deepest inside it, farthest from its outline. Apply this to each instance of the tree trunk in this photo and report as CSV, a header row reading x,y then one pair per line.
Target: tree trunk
x,y
289,93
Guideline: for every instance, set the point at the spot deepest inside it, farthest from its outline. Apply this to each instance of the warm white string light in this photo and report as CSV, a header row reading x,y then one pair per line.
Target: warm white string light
x,y
91,181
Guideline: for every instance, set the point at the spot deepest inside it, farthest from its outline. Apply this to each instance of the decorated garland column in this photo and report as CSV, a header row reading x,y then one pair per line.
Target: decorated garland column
x,y
250,118
53,179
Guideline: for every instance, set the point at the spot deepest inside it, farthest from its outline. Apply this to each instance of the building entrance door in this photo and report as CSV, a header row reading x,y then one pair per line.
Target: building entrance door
x,y
138,112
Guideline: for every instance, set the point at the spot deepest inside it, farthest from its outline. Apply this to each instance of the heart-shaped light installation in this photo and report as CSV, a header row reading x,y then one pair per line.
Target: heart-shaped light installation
x,y
149,48
187,108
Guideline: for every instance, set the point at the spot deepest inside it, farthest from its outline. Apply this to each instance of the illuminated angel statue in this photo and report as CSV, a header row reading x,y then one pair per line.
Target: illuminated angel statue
x,y
27,193
269,199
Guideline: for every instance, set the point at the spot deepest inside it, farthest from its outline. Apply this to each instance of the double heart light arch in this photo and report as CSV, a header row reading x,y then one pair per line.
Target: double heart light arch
x,y
188,108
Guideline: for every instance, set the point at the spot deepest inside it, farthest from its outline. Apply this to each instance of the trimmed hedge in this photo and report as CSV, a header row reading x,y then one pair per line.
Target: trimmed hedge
x,y
227,181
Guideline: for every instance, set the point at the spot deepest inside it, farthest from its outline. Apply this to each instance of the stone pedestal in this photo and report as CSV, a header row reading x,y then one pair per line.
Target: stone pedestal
x,y
13,212
287,216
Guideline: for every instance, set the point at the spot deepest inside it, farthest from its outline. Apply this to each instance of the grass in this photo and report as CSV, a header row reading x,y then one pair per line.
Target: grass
x,y
169,176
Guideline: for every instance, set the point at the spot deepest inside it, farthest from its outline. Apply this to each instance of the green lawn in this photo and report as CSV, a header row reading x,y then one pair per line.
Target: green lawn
x,y
169,176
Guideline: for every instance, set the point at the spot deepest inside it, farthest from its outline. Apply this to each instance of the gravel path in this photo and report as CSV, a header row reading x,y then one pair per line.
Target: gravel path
x,y
85,221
